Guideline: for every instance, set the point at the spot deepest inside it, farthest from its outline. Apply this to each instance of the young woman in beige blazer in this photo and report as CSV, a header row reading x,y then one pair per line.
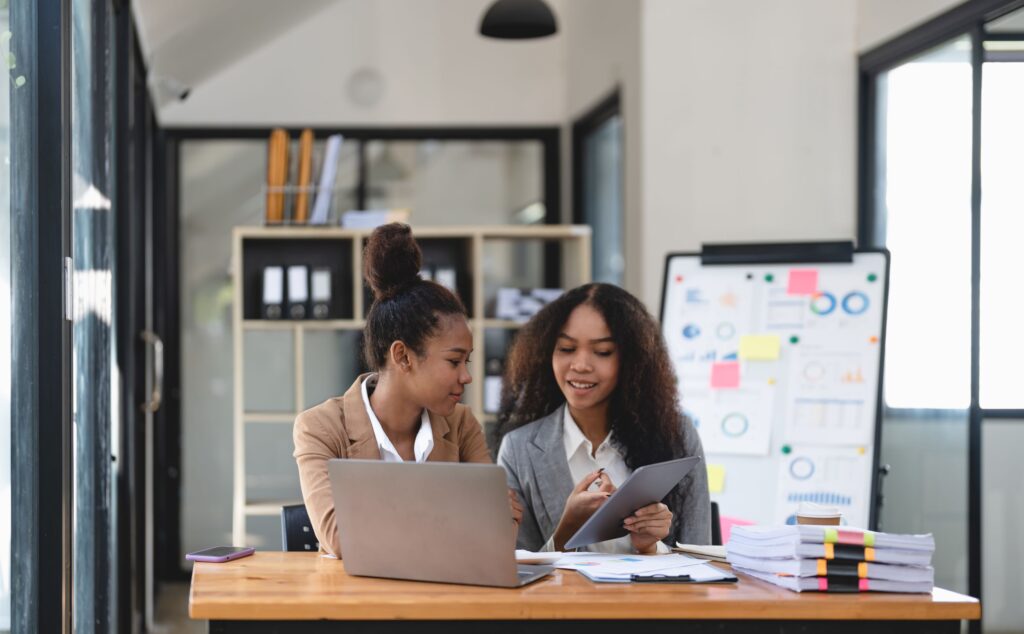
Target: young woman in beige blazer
x,y
418,343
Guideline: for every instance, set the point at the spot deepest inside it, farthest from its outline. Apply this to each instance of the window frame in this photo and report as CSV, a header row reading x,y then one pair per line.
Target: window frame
x,y
608,107
168,430
966,19
41,598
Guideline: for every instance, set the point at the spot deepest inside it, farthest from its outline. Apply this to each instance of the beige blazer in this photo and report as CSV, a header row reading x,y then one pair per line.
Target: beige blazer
x,y
340,428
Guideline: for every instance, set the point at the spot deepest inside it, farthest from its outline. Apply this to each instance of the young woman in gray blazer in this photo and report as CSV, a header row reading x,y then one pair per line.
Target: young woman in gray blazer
x,y
590,396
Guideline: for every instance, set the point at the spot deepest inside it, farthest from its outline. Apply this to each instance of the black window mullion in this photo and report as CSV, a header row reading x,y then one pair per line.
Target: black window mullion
x,y
361,180
40,213
974,553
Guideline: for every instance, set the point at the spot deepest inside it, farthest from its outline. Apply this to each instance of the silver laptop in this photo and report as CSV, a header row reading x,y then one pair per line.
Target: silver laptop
x,y
433,521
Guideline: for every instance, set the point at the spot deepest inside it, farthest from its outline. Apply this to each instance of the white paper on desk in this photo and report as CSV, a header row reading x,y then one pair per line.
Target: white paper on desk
x,y
705,572
529,557
699,572
606,564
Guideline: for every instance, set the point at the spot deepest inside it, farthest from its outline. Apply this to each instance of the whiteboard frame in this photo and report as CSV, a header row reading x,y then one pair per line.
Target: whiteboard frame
x,y
764,254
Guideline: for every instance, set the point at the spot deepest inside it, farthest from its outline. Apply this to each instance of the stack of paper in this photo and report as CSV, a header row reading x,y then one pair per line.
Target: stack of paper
x,y
714,553
610,568
833,558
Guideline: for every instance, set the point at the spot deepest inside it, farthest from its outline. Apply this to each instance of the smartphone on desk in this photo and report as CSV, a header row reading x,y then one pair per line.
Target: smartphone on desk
x,y
219,554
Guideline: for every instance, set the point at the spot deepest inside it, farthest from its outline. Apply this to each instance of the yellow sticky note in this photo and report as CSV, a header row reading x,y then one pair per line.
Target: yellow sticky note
x,y
716,478
759,347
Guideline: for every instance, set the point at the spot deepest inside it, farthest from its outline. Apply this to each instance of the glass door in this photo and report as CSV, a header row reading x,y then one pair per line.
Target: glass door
x,y
942,189
1000,315
922,201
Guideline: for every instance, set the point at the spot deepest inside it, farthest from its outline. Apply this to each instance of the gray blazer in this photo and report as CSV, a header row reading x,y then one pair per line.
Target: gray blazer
x,y
534,460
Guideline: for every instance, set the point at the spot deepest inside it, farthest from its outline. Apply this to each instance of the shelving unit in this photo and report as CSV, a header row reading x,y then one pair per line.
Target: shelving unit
x,y
556,255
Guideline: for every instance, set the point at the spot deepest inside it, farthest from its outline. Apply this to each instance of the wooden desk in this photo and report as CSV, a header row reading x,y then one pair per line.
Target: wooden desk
x,y
287,592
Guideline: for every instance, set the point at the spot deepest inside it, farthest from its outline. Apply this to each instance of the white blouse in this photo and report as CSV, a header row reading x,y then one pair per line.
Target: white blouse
x,y
422,445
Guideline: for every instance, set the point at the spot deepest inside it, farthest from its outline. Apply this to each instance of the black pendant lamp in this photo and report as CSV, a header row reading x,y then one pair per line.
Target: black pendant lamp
x,y
518,20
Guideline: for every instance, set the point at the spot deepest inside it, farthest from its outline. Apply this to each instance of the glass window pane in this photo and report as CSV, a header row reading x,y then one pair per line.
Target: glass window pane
x,y
221,186
602,198
1002,224
1002,523
458,182
924,198
333,360
5,331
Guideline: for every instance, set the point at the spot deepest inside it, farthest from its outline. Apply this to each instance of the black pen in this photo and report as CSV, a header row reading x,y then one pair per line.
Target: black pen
x,y
660,578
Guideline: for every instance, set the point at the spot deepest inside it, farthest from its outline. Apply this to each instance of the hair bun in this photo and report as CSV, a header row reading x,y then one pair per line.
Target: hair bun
x,y
392,259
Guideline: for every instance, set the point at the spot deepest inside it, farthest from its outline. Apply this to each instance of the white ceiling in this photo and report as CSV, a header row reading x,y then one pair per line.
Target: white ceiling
x,y
188,41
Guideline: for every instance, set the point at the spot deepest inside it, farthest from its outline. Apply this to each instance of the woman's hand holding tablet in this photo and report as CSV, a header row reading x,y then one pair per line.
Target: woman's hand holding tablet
x,y
581,505
642,490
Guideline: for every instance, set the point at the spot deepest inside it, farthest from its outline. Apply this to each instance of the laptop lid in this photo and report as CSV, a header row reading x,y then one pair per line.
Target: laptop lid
x,y
431,521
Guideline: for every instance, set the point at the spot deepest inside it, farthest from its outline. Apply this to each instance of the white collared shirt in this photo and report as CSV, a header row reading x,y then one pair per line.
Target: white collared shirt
x,y
583,460
421,446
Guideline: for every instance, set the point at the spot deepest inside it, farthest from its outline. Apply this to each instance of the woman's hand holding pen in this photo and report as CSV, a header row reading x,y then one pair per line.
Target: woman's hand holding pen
x,y
581,504
648,526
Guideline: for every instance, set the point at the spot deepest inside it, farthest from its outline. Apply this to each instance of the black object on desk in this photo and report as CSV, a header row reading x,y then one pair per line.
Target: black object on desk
x,y
677,579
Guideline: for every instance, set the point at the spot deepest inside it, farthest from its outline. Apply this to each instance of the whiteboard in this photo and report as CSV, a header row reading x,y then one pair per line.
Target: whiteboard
x,y
779,366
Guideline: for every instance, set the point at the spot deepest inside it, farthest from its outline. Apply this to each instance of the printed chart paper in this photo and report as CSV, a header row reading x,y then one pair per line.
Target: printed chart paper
x,y
833,476
733,421
831,397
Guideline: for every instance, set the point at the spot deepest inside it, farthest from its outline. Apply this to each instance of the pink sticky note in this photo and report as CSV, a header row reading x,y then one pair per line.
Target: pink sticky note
x,y
802,282
725,375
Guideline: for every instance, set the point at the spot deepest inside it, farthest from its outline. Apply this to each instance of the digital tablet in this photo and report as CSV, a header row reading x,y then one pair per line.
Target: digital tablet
x,y
647,485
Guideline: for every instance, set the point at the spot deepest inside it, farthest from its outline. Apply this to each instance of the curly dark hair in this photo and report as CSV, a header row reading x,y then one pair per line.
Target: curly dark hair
x,y
643,412
406,307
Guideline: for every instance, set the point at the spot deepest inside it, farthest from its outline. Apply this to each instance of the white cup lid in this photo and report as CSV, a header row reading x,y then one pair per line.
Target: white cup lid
x,y
810,509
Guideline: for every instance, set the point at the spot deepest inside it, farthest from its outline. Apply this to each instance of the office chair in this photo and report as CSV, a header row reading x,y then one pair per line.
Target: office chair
x,y
296,529
716,526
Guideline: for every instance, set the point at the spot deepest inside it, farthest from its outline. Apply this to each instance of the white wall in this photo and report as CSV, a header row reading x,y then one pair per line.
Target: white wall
x,y
748,125
434,69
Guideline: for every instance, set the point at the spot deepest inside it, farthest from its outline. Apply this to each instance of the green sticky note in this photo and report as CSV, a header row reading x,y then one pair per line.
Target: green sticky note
x,y
759,347
869,539
831,536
